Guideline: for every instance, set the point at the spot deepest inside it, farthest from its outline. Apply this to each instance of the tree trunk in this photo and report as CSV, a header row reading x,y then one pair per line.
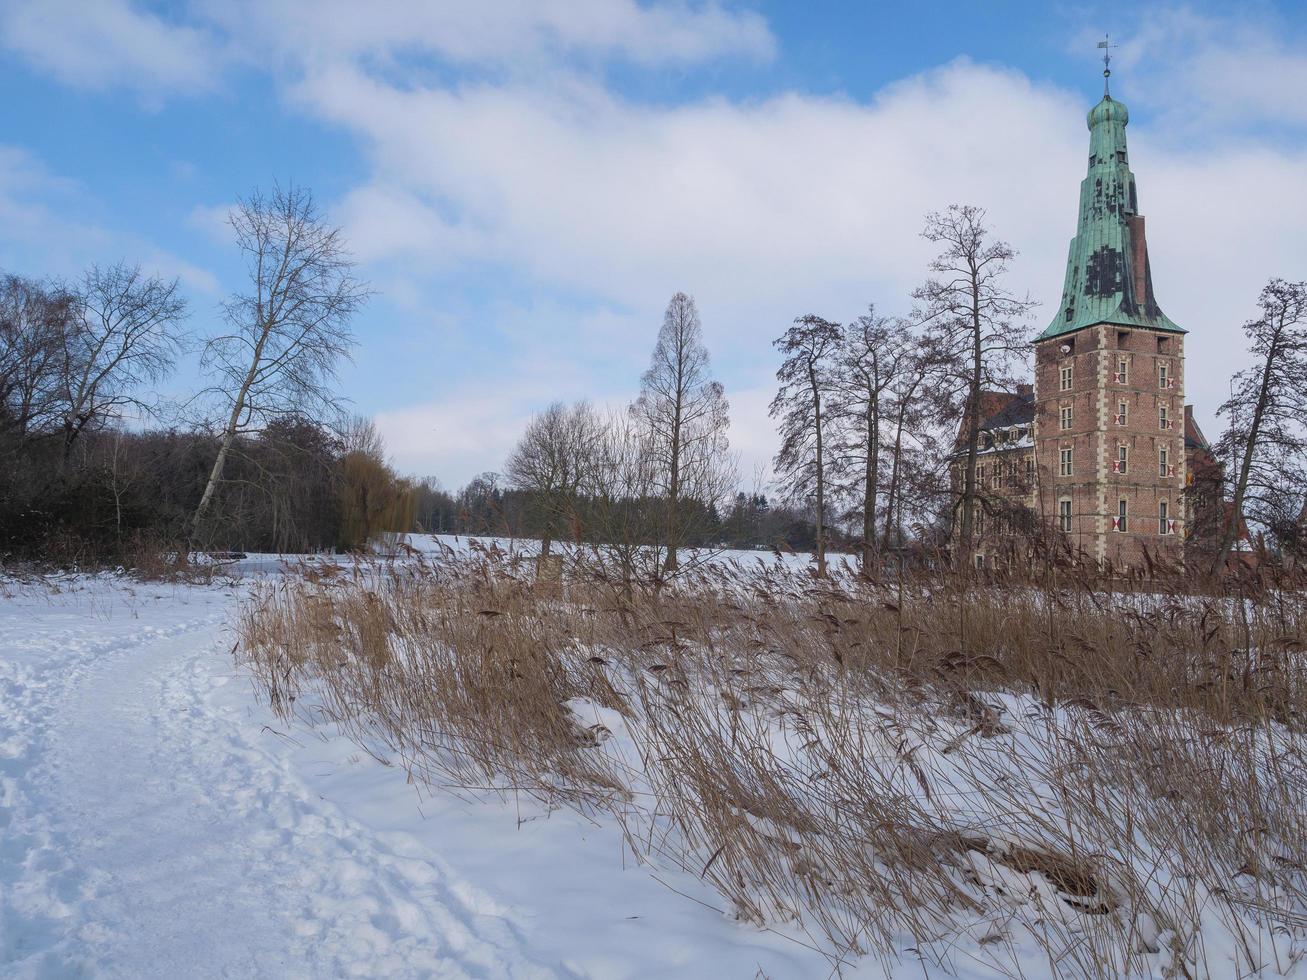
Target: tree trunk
x,y
215,475
973,429
674,476
1245,465
229,433
892,493
871,485
821,476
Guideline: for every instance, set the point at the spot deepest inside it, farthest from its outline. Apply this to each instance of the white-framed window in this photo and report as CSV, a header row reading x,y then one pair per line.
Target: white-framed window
x,y
1163,518
1065,378
1163,375
980,561
1163,462
998,475
1121,521
1163,417
1122,370
1122,413
980,475
1122,458
1030,469
1064,514
1064,462
1064,416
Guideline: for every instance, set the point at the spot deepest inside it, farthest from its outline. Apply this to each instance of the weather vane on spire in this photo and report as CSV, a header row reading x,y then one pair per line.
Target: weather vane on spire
x,y
1107,46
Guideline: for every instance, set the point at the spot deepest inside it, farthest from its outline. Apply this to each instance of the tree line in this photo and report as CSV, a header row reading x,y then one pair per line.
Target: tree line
x,y
879,420
880,423
95,465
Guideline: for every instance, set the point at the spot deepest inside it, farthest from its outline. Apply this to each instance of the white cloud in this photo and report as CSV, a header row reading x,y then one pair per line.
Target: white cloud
x,y
1210,73
586,191
498,32
110,43
532,169
795,204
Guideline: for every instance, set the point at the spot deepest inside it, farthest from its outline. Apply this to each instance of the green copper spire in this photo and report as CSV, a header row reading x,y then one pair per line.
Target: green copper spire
x,y
1107,275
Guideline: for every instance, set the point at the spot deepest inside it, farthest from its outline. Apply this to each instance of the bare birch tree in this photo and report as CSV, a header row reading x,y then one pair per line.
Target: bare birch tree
x,y
1265,443
807,385
977,325
685,413
123,335
552,462
288,332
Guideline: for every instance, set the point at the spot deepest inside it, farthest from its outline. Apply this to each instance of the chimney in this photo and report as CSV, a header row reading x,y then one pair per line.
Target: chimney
x,y
1026,391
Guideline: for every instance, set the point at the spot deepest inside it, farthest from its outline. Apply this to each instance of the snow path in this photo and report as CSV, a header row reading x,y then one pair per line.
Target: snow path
x,y
144,831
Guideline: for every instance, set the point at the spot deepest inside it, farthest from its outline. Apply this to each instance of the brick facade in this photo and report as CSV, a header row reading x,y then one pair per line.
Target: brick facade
x,y
1116,458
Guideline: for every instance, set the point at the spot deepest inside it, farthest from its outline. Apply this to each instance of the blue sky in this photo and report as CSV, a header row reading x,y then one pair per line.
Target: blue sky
x,y
525,183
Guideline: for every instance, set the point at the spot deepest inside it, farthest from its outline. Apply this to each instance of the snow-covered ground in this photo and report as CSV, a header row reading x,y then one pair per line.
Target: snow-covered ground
x,y
155,821
434,545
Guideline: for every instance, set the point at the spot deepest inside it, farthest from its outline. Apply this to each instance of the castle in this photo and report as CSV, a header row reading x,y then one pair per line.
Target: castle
x,y
1101,447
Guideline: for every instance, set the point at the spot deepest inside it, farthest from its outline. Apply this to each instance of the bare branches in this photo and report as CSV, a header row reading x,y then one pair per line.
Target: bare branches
x,y
807,383
290,330
122,336
554,460
34,323
685,414
1265,443
977,327
873,356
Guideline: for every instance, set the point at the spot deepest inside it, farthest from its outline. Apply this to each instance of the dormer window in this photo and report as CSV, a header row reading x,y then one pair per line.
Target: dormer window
x,y
1093,159
1120,156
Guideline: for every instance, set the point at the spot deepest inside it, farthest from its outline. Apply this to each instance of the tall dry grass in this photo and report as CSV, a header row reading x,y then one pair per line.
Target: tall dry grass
x,y
1086,783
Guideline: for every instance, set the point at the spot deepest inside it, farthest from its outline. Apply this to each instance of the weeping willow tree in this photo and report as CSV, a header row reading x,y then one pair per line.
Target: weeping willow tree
x,y
373,500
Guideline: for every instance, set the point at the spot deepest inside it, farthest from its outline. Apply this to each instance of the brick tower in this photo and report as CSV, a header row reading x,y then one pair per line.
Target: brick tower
x,y
1109,432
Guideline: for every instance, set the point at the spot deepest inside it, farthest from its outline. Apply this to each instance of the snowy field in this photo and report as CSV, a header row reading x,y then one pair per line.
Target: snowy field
x,y
157,820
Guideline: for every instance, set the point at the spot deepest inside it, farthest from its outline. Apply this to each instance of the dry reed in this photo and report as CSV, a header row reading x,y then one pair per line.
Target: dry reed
x,y
1110,784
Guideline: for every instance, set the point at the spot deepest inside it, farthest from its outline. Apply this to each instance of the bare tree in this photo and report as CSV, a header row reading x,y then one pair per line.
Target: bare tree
x,y
977,325
289,331
1265,442
811,348
620,493
685,413
34,320
908,408
873,354
122,335
552,461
